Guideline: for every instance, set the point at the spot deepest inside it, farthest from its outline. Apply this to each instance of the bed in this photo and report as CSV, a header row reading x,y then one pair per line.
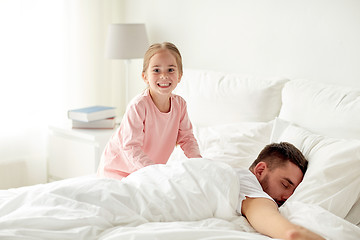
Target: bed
x,y
234,117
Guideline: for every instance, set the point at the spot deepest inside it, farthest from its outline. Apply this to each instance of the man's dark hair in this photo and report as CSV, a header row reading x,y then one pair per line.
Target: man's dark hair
x,y
277,154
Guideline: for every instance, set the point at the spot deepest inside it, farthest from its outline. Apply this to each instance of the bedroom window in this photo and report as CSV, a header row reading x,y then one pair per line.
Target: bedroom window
x,y
31,61
51,59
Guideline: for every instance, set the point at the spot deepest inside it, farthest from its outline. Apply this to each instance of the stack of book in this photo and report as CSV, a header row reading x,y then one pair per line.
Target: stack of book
x,y
100,117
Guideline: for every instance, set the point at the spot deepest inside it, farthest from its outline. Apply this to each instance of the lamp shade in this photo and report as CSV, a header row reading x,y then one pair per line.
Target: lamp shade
x,y
126,41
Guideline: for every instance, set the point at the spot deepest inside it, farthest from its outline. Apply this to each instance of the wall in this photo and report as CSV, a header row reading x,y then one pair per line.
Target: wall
x,y
313,39
91,79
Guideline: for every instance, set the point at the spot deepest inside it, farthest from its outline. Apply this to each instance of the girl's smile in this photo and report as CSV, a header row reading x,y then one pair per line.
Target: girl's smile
x,y
164,85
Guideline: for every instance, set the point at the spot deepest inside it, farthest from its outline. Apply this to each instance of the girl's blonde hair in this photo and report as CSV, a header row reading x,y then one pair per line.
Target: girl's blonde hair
x,y
155,48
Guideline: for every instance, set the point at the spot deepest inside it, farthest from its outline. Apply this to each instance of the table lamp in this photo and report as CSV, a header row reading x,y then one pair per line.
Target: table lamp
x,y
126,41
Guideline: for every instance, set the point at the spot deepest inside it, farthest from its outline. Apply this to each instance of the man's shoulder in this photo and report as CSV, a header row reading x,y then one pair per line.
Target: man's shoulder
x,y
250,187
244,173
249,184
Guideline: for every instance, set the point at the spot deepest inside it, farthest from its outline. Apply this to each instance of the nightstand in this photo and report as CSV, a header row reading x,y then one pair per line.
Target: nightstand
x,y
74,152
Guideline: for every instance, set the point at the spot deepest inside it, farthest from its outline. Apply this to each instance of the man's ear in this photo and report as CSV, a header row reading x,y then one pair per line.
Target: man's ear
x,y
260,169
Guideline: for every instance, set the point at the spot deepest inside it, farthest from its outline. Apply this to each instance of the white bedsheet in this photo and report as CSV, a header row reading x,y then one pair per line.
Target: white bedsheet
x,y
193,199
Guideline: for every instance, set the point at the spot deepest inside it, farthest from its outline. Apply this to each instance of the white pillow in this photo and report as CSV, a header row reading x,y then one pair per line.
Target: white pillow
x,y
215,98
333,177
322,108
235,144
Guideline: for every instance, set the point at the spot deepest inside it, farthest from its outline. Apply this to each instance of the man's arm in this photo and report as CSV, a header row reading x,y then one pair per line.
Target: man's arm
x,y
265,218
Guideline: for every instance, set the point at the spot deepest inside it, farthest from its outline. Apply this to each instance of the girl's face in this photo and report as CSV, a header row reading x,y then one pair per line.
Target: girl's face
x,y
162,74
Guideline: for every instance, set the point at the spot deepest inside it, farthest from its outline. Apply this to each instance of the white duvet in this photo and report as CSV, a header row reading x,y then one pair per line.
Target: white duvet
x,y
193,199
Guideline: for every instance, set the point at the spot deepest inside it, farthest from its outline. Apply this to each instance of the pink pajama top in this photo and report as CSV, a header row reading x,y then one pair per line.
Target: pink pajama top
x,y
147,136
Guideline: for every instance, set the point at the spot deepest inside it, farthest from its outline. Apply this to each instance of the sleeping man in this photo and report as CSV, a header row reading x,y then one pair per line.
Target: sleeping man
x,y
272,179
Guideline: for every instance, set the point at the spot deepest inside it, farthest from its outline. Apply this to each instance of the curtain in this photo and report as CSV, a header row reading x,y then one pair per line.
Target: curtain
x,y
51,60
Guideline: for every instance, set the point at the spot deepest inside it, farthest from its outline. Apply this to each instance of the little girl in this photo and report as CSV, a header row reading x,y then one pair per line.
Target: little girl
x,y
154,122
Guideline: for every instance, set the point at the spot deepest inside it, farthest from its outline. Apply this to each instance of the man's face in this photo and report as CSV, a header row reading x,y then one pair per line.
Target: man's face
x,y
280,182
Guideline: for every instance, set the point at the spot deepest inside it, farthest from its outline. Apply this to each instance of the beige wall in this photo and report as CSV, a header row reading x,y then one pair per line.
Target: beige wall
x,y
314,39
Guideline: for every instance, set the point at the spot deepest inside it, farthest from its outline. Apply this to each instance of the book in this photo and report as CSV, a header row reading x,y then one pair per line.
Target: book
x,y
92,113
108,123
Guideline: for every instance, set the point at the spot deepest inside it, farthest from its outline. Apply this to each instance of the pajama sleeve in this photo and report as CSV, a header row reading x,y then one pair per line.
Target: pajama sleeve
x,y
132,134
186,138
